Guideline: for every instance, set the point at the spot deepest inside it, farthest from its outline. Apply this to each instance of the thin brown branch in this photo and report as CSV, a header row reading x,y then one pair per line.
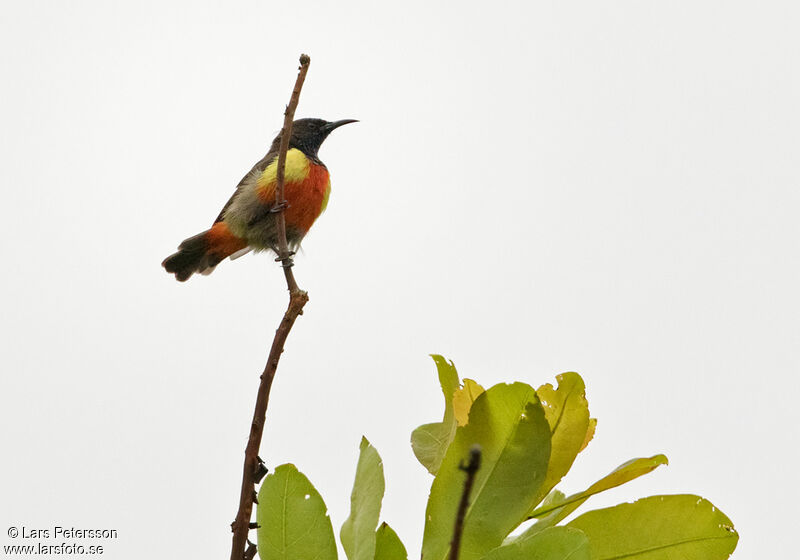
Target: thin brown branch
x,y
283,249
297,299
470,467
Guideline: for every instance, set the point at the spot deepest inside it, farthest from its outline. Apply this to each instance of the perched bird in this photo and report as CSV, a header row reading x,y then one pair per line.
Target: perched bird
x,y
248,219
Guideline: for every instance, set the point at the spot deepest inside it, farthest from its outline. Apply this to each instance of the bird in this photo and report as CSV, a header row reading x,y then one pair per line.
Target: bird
x,y
248,221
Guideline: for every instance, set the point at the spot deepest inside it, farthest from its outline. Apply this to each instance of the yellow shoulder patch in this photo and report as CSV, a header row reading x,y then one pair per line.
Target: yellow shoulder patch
x,y
297,168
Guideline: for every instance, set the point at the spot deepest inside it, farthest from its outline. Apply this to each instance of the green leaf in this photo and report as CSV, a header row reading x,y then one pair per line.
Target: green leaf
x,y
567,412
659,528
555,543
388,545
430,441
554,497
293,519
358,531
508,423
550,514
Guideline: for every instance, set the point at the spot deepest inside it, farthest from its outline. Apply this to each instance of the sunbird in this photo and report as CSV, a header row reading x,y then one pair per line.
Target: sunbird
x,y
248,221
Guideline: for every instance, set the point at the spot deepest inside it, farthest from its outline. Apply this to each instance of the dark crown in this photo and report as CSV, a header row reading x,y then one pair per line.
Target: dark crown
x,y
309,134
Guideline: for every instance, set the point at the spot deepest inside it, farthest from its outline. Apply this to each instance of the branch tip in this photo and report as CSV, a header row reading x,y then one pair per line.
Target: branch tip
x,y
473,463
470,466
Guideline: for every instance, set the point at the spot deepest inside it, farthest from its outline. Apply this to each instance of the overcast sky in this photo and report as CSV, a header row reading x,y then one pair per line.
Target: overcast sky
x,y
534,187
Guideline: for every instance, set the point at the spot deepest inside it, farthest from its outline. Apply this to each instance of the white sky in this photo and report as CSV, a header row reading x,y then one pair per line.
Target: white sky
x,y
535,187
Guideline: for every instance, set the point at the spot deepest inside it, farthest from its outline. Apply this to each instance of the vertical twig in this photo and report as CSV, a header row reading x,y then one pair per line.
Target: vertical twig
x,y
286,132
470,467
297,299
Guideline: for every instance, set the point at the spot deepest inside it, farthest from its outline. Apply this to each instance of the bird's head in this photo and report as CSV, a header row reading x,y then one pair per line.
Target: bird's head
x,y
309,134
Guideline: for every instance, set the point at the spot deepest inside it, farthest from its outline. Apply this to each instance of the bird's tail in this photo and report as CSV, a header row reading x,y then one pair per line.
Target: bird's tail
x,y
202,252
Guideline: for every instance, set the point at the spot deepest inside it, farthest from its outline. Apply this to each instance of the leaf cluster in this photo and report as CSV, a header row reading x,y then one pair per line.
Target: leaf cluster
x,y
529,440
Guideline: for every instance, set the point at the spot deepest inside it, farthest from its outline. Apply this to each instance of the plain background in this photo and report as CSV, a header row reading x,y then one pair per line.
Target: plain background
x,y
534,187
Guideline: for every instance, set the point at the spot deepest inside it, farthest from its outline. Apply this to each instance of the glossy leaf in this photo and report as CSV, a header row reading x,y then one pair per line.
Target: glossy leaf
x,y
429,442
549,515
463,399
556,543
659,528
509,424
293,519
358,531
567,412
388,545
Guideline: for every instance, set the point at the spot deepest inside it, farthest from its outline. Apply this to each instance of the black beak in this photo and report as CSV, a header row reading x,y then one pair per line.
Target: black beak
x,y
331,126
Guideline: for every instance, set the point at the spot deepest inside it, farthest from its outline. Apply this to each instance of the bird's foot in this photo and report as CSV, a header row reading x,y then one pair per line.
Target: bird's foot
x,y
288,255
279,207
286,259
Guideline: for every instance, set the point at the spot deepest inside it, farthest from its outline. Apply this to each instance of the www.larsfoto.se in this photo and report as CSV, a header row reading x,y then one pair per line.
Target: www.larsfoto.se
x,y
62,548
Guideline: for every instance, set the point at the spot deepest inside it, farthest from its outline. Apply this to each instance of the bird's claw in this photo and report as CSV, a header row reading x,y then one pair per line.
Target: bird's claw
x,y
287,257
279,207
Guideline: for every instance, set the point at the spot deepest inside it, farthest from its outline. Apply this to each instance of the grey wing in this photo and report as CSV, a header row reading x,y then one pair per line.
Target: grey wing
x,y
257,169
